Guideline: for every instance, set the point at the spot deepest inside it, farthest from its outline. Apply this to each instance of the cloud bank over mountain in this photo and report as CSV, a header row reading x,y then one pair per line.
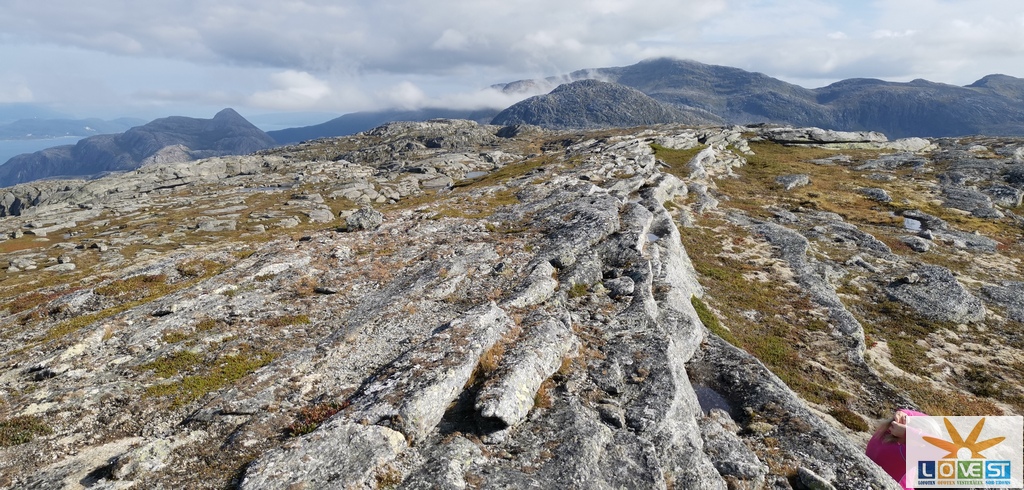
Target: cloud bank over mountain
x,y
315,54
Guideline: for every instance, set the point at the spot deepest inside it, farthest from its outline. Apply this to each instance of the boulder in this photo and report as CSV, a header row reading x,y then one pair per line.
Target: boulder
x,y
916,244
508,397
804,136
894,161
966,199
938,296
216,225
339,455
1010,296
790,182
876,194
1004,195
620,286
365,218
23,263
321,215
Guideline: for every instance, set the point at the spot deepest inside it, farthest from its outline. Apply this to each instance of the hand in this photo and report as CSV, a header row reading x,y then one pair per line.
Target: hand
x,y
898,427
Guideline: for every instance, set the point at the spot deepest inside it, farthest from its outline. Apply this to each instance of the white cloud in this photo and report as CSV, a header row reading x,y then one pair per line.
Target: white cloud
x,y
886,33
364,54
405,95
451,40
15,92
294,90
316,35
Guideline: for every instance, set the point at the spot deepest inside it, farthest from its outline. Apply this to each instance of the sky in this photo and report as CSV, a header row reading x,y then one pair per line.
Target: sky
x,y
114,58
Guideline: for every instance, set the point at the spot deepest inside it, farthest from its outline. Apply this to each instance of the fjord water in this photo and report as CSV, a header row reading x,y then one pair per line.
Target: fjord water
x,y
11,148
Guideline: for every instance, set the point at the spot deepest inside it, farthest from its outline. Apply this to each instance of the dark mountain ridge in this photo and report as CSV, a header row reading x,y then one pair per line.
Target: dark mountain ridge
x,y
994,105
700,93
357,122
591,104
667,90
170,139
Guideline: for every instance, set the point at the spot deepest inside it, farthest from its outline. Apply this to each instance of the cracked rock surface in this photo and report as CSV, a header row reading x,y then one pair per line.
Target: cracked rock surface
x,y
450,305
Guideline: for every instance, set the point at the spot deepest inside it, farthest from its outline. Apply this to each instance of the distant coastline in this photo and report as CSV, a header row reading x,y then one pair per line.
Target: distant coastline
x,y
12,148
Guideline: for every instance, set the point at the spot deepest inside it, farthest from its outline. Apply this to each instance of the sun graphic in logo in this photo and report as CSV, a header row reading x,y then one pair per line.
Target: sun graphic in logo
x,y
958,443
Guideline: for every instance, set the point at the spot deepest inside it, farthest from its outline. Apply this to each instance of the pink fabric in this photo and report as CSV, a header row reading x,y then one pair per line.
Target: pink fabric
x,y
891,456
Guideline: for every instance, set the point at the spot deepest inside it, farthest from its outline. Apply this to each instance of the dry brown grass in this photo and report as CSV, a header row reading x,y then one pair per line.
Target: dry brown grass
x,y
491,359
543,398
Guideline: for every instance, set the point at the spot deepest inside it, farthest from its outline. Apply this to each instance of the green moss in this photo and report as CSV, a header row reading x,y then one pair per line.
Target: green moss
x,y
133,287
507,173
783,314
979,380
26,242
20,430
287,320
832,188
849,419
78,322
909,356
135,290
577,290
173,364
174,336
708,318
243,254
149,288
206,324
676,159
509,228
773,351
218,374
477,208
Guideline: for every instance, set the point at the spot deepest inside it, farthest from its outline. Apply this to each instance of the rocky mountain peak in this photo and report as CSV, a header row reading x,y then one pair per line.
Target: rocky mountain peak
x,y
727,95
228,133
1006,86
229,114
592,103
448,305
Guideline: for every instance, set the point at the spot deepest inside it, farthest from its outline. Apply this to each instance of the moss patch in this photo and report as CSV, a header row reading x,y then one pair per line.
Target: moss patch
x,y
173,364
287,320
20,430
676,159
708,318
217,374
832,188
937,401
133,287
782,315
849,419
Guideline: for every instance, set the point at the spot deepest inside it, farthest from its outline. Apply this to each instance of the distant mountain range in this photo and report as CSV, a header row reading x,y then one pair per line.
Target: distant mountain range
x,y
697,93
170,139
993,105
595,104
38,128
662,90
362,121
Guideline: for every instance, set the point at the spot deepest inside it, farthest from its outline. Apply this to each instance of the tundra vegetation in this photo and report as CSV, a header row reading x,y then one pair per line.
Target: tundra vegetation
x,y
516,305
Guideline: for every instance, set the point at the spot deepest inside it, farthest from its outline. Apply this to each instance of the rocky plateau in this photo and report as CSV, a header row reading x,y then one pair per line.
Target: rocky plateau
x,y
446,304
